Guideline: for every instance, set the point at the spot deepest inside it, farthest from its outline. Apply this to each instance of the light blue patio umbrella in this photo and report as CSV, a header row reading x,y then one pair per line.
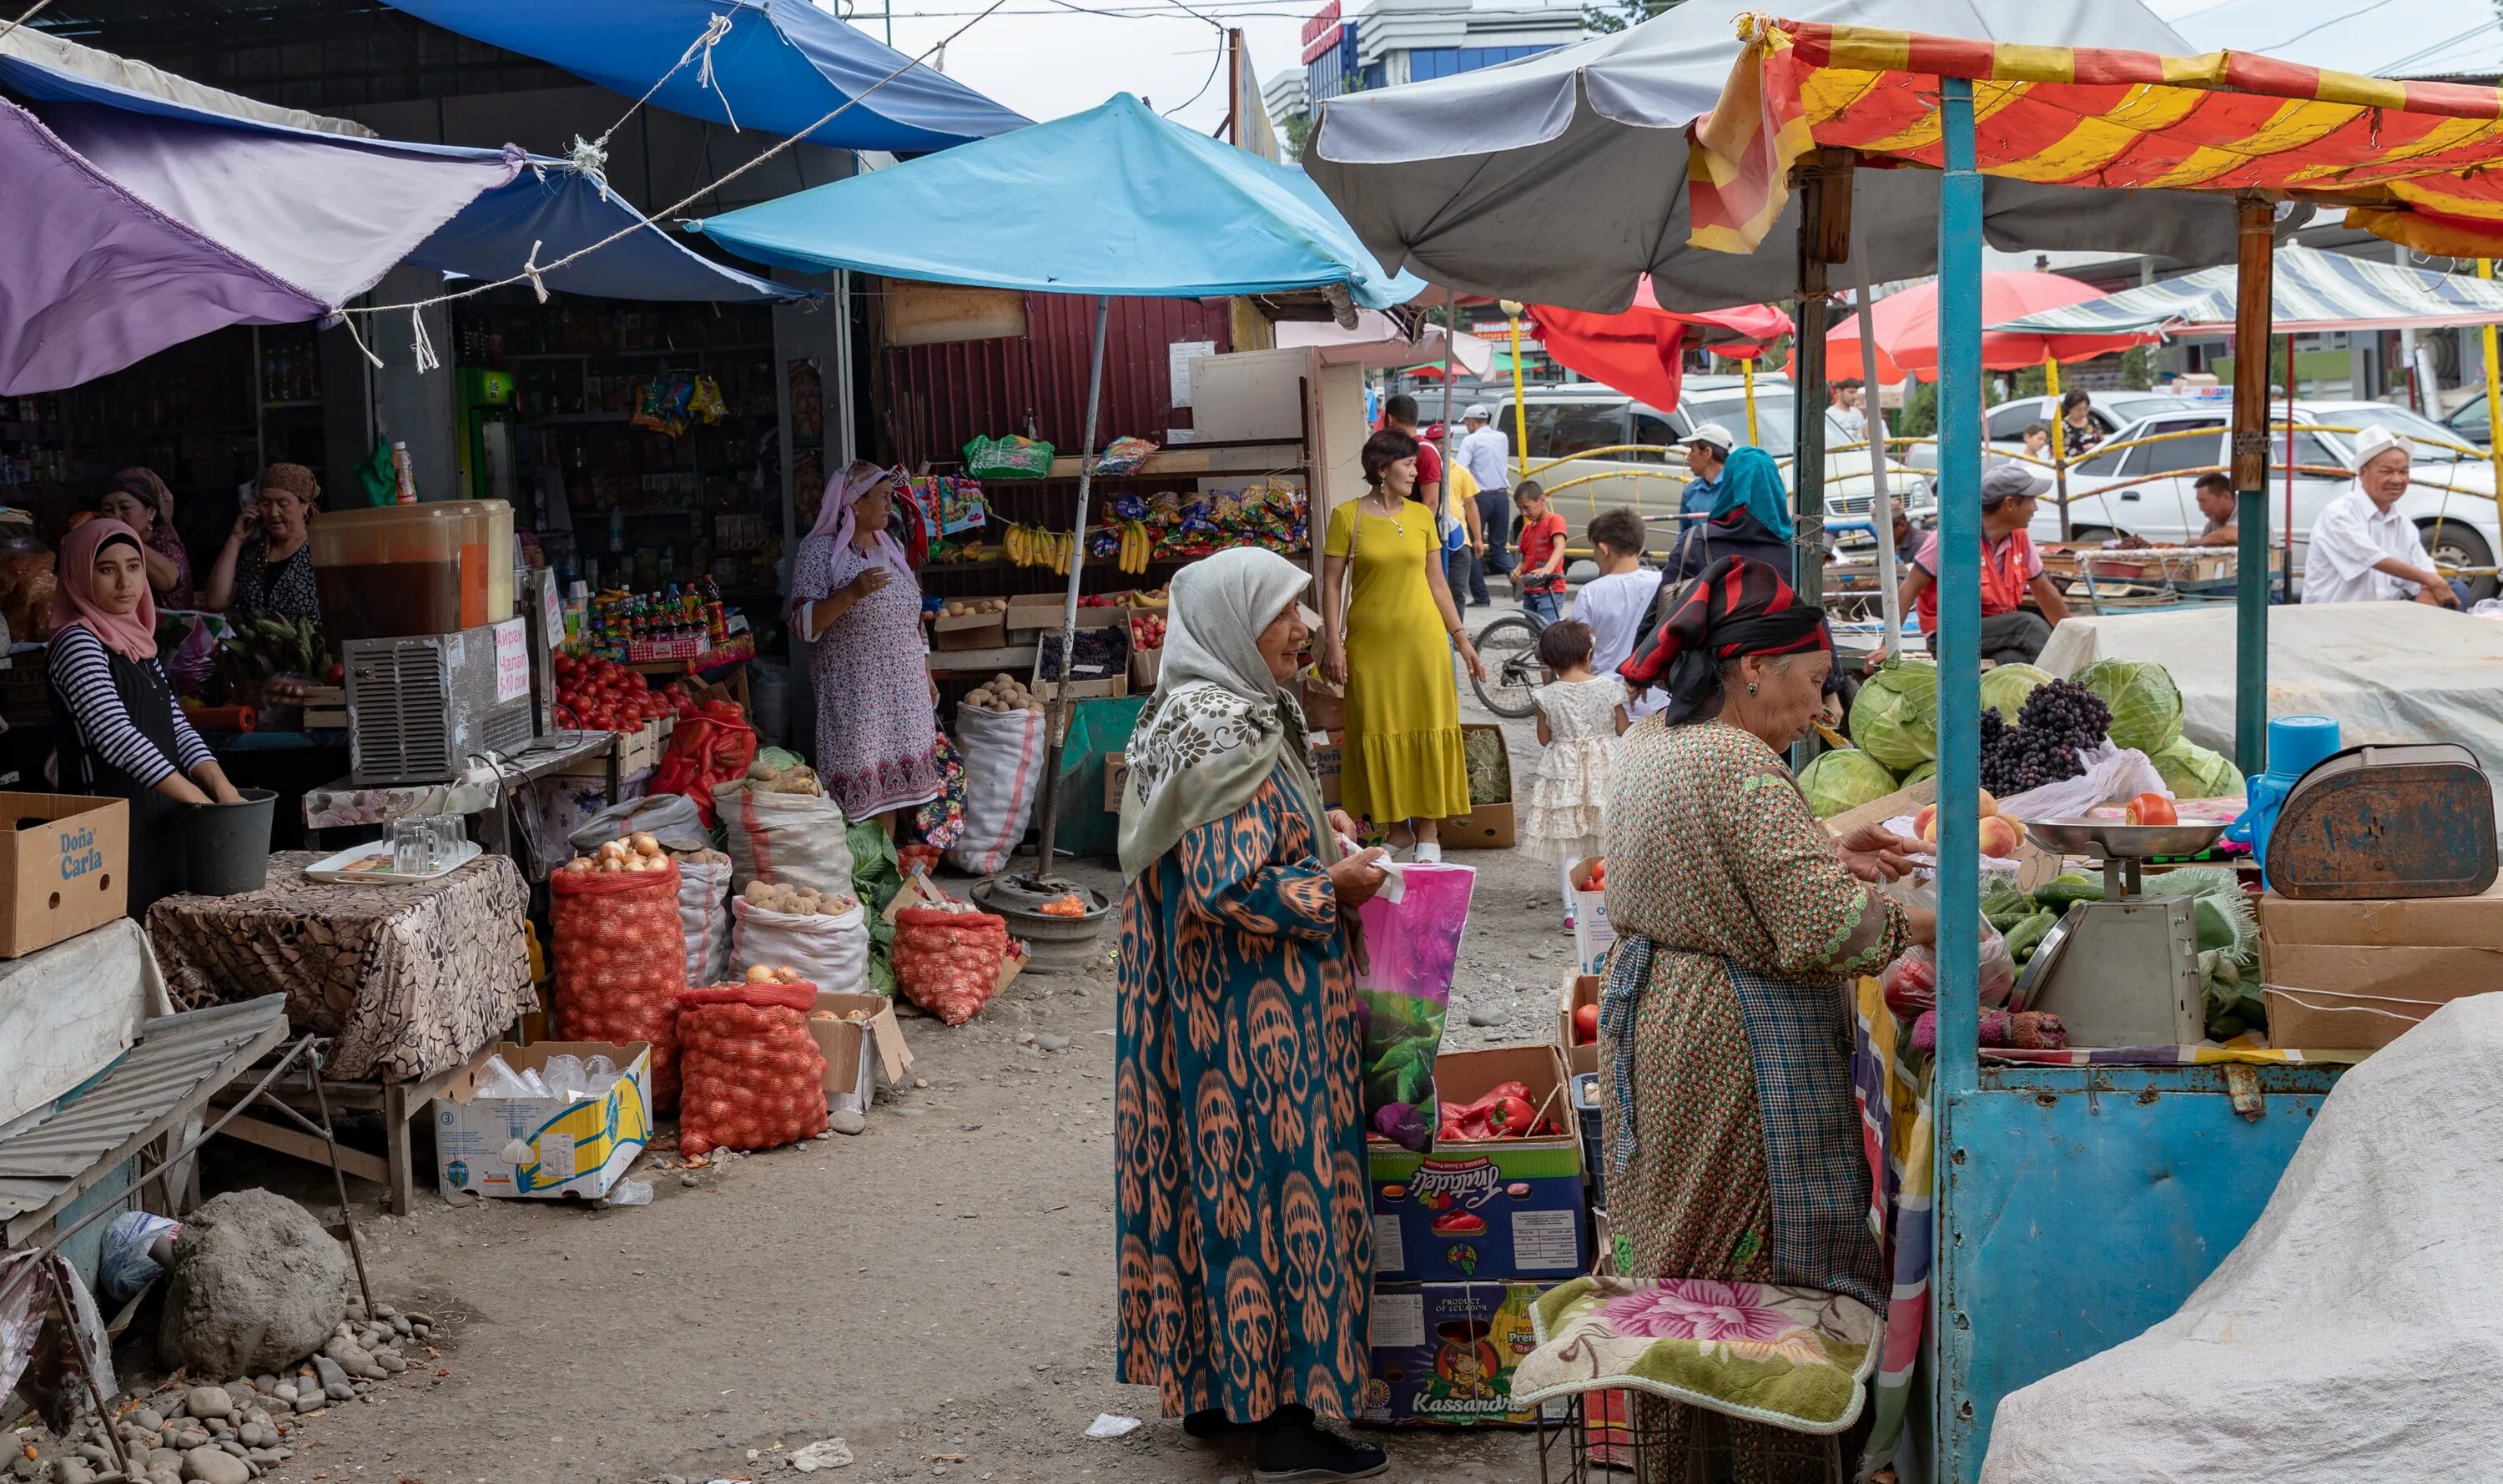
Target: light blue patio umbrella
x,y
1114,200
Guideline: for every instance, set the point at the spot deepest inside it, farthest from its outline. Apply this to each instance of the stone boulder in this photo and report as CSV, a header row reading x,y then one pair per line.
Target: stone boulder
x,y
257,1286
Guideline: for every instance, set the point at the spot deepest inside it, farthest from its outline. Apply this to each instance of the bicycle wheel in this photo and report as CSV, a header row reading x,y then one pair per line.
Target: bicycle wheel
x,y
1508,650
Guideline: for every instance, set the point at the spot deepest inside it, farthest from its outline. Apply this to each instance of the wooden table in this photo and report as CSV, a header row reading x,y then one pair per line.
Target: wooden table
x,y
394,1169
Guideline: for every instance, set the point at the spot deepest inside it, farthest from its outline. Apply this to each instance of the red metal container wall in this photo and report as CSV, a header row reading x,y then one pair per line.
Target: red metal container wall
x,y
938,397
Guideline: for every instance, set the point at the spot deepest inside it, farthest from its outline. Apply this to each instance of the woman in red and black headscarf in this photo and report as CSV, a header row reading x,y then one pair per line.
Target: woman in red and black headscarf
x,y
1725,1030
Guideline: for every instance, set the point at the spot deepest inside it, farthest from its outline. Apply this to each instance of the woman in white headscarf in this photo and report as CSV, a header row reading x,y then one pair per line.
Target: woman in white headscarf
x,y
1246,1247
854,594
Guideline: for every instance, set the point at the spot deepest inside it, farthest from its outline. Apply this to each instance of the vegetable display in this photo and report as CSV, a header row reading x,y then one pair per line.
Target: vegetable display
x,y
2004,687
2059,720
1003,692
1842,780
2193,771
2146,704
797,778
620,950
947,961
255,649
1505,1112
594,695
754,1077
959,608
798,901
1895,718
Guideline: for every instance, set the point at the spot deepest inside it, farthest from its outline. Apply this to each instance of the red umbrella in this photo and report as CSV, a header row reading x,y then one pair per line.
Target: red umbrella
x,y
1638,353
1906,330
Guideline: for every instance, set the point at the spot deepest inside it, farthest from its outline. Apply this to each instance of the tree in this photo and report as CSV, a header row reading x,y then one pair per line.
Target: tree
x,y
1297,129
1613,16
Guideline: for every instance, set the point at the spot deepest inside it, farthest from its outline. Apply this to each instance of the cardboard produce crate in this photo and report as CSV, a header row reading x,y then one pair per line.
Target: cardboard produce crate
x,y
969,632
1443,1354
64,867
2357,975
861,1040
1489,824
1580,988
1491,1208
544,1148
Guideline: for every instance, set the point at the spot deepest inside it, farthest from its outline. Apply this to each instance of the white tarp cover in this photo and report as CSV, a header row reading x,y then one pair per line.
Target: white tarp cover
x,y
68,1010
2350,1338
2386,672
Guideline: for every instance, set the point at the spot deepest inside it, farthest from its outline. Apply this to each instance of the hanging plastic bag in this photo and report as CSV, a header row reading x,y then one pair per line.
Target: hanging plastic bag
x,y
703,910
1403,993
1003,752
708,750
669,818
1009,457
621,959
948,962
785,839
829,949
754,1076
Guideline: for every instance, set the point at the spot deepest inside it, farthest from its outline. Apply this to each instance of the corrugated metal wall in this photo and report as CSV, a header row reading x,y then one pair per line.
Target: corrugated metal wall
x,y
932,399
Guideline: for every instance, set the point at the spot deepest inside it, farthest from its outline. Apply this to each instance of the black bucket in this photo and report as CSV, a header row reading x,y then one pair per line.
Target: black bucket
x,y
228,844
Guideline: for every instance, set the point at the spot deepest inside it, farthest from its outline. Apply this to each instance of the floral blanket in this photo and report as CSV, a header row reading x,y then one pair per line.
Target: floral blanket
x,y
1791,1357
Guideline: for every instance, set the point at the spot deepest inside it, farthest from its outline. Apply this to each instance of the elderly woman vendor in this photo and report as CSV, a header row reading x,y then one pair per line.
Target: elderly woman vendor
x,y
1725,1025
1246,1248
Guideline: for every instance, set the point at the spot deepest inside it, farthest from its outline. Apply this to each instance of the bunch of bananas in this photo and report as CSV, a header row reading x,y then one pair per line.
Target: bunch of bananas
x,y
1138,544
1031,546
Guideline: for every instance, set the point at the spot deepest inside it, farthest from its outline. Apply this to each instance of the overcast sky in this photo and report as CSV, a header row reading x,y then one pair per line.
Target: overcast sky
x,y
1050,57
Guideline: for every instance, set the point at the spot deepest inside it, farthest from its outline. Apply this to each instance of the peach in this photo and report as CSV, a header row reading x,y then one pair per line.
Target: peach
x,y
1999,836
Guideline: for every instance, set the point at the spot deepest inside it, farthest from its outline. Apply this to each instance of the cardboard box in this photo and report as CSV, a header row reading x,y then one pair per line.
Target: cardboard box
x,y
1493,1209
858,1049
1032,613
969,632
1580,988
1116,777
1488,826
2035,864
1328,757
542,1148
1323,710
1144,665
1443,1354
1593,937
64,867
2355,975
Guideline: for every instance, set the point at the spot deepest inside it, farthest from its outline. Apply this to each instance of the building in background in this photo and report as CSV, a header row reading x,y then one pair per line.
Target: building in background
x,y
1392,41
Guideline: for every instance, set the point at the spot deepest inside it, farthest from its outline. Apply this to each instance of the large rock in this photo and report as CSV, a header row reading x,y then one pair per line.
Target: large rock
x,y
257,1285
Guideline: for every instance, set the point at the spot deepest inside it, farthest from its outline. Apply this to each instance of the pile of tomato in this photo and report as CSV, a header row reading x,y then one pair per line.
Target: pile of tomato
x,y
594,695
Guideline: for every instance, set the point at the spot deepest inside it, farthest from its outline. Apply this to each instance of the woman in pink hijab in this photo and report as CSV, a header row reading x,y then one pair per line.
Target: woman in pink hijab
x,y
116,727
853,593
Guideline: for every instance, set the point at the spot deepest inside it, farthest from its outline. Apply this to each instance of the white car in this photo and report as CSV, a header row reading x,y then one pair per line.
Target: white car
x,y
1565,420
2148,491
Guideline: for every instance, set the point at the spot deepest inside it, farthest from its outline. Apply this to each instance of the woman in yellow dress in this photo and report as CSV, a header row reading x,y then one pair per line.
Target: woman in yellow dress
x,y
1389,644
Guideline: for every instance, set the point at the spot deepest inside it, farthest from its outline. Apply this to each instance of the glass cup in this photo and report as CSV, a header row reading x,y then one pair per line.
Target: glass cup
x,y
412,848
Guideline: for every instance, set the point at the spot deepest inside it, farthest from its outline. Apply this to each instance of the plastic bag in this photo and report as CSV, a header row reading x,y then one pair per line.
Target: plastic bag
x,y
1912,981
621,959
829,949
2111,772
704,911
948,962
754,1076
669,818
129,1262
785,839
1003,753
1010,458
705,753
1402,996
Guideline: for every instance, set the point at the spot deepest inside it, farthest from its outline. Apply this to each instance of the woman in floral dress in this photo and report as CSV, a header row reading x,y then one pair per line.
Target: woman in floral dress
x,y
1724,1028
1246,1248
853,593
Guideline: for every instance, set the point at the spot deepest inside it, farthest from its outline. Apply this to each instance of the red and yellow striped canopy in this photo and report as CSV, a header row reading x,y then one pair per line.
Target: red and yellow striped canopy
x,y
2413,162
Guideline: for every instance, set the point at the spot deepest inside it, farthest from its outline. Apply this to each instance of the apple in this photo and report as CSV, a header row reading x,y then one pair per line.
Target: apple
x,y
1586,1024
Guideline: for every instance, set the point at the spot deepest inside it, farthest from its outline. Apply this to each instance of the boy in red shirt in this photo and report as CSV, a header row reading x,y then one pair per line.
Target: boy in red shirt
x,y
1542,552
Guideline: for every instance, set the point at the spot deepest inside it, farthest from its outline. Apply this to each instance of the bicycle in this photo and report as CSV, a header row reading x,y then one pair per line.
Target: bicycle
x,y
1508,653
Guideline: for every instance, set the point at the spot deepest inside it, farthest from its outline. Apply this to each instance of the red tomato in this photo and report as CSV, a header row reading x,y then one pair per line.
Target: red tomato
x,y
2151,809
1586,1024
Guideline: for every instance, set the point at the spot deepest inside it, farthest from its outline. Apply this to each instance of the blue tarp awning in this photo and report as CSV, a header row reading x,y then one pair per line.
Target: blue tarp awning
x,y
781,66
167,217
1112,201
2311,291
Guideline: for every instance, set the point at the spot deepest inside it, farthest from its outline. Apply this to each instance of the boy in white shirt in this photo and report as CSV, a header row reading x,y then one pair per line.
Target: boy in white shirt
x,y
1614,603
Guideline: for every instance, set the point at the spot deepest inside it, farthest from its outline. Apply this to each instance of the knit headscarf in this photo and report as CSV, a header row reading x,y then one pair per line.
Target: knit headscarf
x,y
1752,481
1218,723
132,635
150,492
1736,607
293,478
834,515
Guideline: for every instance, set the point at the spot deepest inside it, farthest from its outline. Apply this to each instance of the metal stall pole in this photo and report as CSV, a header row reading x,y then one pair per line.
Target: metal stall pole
x,y
1955,1075
1747,375
1889,601
2493,406
1057,732
1825,195
2255,261
2059,441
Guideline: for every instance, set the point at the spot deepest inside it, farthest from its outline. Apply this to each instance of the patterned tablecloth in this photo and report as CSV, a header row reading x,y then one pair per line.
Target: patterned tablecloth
x,y
407,980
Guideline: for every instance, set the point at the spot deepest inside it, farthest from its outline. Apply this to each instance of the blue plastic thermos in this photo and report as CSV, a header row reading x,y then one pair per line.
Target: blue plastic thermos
x,y
2295,743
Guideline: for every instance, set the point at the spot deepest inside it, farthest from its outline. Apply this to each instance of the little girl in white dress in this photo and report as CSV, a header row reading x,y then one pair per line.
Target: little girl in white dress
x,y
1579,718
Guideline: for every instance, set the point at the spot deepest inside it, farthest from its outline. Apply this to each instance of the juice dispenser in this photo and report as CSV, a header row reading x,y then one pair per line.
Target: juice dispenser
x,y
486,561
391,571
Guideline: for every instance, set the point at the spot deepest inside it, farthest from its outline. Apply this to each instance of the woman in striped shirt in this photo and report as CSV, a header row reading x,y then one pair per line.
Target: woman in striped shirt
x,y
117,731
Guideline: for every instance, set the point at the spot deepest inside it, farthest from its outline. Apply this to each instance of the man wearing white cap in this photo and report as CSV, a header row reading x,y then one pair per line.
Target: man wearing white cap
x,y
1707,449
2363,551
1487,455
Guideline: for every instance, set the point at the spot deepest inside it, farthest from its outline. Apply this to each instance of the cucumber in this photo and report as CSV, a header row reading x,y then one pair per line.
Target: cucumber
x,y
2027,936
2060,892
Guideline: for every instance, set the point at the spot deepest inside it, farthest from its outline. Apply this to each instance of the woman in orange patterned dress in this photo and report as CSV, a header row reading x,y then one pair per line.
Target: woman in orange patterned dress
x,y
1245,1243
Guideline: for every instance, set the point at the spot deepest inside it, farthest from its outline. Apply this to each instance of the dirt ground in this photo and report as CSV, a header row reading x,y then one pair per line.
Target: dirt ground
x,y
939,1291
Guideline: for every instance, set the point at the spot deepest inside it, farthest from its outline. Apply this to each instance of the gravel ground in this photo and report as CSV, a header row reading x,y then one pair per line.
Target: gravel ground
x,y
939,1291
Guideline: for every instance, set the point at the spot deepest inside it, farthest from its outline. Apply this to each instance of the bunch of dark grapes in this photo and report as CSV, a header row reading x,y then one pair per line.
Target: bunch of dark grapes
x,y
2056,722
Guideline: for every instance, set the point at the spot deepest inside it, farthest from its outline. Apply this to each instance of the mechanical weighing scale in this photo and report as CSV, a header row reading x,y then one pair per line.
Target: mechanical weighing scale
x,y
2122,971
